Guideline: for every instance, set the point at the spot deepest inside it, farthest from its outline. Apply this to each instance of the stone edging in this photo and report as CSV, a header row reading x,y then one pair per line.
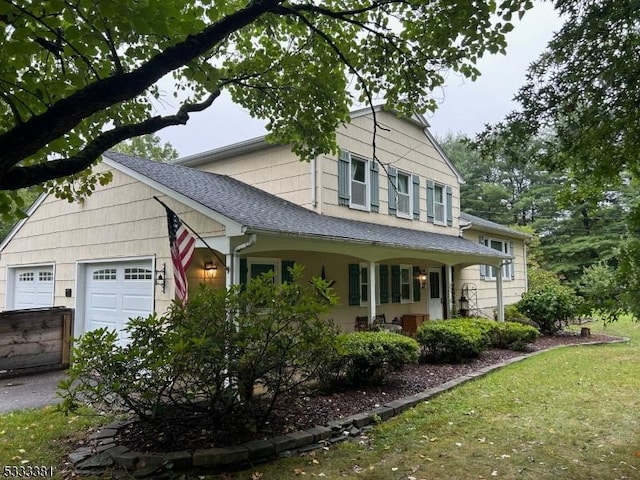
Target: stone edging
x,y
103,452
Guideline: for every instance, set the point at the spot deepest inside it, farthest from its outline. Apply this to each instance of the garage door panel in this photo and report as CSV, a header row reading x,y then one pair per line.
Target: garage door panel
x,y
33,287
116,292
103,301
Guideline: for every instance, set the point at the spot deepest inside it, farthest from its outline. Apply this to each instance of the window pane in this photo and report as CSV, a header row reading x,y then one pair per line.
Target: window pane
x,y
434,285
403,183
497,245
258,269
358,170
406,292
438,194
358,193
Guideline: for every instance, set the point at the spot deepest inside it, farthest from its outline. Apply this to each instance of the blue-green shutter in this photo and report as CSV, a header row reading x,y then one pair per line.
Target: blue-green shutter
x,y
285,265
354,284
483,268
393,182
430,201
513,261
449,191
375,187
344,161
416,197
416,284
384,283
395,283
243,271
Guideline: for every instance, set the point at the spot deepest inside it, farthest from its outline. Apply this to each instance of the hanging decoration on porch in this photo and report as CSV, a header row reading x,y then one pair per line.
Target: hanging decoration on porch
x,y
323,276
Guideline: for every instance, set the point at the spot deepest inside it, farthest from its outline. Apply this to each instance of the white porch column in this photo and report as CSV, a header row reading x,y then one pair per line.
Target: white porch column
x,y
500,304
372,291
230,272
449,292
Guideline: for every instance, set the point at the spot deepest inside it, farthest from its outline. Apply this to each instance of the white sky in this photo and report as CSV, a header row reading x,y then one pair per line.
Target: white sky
x,y
465,106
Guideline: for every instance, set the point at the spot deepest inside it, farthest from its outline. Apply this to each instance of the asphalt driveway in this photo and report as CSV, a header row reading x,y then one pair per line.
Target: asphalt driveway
x,y
29,391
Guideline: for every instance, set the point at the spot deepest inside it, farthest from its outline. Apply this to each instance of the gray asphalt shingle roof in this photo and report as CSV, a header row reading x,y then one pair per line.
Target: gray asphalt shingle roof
x,y
260,211
489,225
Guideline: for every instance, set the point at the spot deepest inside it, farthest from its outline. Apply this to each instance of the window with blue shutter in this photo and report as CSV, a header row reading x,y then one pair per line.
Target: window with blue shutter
x,y
375,187
395,283
430,201
416,284
354,284
286,274
416,197
483,268
344,162
512,265
449,206
384,283
243,271
393,174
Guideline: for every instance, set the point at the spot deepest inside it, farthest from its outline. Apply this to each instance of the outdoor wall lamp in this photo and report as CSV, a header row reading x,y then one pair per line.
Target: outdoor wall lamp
x,y
423,279
210,269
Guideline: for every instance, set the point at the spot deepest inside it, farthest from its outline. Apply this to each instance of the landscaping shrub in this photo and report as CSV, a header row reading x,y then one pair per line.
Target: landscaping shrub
x,y
364,357
513,335
227,354
453,341
548,303
512,314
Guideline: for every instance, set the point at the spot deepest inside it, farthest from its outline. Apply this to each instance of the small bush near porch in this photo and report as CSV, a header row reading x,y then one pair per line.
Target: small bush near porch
x,y
227,358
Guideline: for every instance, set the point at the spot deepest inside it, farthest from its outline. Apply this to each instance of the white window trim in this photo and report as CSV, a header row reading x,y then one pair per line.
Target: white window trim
x,y
367,184
365,303
12,280
507,268
409,213
276,262
442,222
410,270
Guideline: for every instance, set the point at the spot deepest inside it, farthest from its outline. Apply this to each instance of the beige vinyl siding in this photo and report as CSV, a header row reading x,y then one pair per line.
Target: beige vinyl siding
x,y
119,221
274,169
337,269
405,147
486,289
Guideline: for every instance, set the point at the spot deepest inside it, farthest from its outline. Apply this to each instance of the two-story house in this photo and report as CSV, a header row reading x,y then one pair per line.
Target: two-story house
x,y
389,233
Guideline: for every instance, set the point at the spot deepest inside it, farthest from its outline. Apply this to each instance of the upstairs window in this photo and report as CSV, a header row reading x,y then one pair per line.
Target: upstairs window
x,y
404,195
439,204
359,182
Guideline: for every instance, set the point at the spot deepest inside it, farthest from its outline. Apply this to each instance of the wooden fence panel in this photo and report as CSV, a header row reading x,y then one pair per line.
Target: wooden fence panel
x,y
35,340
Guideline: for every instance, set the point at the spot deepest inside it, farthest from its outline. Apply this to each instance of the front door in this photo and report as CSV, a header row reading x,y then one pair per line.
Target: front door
x,y
435,294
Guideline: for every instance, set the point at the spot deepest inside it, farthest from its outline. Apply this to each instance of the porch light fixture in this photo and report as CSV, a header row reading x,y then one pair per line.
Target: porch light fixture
x,y
423,279
464,306
210,269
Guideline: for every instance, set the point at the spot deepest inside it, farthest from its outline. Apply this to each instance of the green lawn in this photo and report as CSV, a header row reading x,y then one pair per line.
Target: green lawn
x,y
571,413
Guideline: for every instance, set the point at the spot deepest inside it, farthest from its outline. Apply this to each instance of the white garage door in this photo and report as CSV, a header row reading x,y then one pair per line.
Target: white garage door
x,y
33,287
115,292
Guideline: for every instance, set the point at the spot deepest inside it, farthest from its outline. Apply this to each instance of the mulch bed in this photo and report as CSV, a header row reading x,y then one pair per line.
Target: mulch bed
x,y
318,410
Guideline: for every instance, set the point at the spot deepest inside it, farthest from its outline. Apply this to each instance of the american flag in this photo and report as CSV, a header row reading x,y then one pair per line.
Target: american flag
x,y
182,245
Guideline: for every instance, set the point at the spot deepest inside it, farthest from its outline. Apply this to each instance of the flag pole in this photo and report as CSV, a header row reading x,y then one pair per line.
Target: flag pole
x,y
222,262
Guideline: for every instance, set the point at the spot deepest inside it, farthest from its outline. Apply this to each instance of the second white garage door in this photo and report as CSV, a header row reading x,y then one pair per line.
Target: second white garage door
x,y
115,292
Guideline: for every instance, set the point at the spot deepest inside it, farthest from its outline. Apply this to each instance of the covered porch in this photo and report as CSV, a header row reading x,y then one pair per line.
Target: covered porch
x,y
401,282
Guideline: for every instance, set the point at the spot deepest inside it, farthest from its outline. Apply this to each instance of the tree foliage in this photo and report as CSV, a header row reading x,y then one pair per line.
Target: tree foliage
x,y
148,146
77,78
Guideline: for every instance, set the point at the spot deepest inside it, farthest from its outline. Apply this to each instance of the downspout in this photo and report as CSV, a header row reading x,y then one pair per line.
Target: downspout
x,y
463,228
235,260
314,181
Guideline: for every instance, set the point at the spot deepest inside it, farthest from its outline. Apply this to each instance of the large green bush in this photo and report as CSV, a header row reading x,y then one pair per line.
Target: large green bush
x,y
547,302
364,357
453,341
226,354
513,335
